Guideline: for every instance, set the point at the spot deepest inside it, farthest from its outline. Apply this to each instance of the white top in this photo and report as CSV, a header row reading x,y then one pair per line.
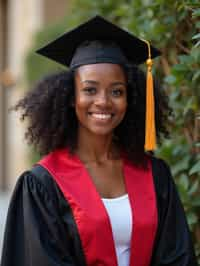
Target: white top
x,y
119,212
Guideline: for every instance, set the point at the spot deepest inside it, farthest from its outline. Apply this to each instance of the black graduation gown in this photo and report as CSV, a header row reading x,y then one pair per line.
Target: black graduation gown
x,y
41,230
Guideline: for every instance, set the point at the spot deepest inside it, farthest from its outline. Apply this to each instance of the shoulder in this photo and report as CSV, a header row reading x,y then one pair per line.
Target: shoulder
x,y
37,182
41,175
42,172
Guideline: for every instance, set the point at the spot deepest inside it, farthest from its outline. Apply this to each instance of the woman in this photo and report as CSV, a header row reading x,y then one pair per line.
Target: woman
x,y
96,198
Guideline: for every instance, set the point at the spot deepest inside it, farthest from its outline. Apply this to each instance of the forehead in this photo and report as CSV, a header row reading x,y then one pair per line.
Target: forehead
x,y
102,70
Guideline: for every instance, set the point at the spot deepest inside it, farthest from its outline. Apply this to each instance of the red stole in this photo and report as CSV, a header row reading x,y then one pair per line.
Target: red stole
x,y
90,214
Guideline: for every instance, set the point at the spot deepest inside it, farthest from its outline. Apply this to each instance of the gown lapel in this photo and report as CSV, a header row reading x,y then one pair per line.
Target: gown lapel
x,y
140,187
90,214
87,207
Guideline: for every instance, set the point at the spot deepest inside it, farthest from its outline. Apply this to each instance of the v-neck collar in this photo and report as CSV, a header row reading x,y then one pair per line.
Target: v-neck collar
x,y
91,216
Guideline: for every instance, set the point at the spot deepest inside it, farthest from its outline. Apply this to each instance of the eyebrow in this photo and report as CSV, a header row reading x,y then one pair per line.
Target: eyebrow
x,y
90,81
96,82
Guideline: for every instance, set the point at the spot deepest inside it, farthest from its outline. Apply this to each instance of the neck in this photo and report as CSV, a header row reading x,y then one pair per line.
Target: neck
x,y
95,148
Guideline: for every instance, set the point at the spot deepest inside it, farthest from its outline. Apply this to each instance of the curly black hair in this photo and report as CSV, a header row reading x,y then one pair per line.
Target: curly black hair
x,y
53,123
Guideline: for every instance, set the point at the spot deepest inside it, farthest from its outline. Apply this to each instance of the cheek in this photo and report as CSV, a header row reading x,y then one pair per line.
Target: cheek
x,y
81,101
82,105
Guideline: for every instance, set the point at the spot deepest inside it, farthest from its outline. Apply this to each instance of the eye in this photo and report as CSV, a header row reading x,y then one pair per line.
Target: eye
x,y
90,90
116,92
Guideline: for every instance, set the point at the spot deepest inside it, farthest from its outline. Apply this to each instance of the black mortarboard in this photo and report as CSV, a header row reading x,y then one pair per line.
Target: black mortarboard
x,y
86,44
63,49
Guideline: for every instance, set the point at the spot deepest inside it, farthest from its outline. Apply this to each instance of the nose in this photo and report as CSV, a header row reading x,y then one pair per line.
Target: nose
x,y
102,99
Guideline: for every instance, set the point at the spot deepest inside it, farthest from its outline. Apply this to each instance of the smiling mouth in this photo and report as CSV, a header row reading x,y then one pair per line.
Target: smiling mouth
x,y
101,117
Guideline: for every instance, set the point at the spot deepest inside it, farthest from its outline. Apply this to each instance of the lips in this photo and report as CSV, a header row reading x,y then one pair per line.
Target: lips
x,y
101,116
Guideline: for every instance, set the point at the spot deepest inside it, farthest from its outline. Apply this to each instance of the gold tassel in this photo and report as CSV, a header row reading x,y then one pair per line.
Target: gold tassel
x,y
150,129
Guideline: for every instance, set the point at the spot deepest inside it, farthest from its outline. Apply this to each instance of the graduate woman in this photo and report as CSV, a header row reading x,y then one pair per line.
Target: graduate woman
x,y
96,198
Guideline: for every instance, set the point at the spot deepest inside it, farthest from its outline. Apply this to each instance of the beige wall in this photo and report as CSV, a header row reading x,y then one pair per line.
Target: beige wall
x,y
23,19
2,91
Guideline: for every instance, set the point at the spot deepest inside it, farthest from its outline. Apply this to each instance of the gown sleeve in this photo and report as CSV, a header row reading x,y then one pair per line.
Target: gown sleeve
x,y
35,233
173,244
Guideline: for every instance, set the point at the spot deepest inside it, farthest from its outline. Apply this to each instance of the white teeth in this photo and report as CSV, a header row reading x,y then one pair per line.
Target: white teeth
x,y
102,116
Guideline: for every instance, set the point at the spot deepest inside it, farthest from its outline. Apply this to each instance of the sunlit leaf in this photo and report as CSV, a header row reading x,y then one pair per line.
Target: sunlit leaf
x,y
195,168
193,189
192,218
184,181
196,13
197,36
196,76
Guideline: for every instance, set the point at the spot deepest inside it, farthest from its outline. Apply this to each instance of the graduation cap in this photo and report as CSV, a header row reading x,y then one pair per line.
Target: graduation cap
x,y
86,44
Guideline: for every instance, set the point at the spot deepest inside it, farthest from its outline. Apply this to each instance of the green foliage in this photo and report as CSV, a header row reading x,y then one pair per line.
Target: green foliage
x,y
174,27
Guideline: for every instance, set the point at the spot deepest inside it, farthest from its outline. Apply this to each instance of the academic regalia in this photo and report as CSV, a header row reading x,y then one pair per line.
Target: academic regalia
x,y
44,218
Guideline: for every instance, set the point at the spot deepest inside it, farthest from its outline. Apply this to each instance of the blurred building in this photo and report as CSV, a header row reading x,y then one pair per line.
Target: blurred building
x,y
19,20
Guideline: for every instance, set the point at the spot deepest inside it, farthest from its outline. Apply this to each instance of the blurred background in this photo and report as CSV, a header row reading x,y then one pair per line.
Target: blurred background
x,y
173,26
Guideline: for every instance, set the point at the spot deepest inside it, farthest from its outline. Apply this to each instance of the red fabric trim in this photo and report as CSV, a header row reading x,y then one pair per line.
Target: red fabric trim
x,y
88,210
140,187
90,214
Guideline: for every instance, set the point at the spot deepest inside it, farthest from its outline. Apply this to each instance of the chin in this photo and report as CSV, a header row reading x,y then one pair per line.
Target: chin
x,y
102,132
96,130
